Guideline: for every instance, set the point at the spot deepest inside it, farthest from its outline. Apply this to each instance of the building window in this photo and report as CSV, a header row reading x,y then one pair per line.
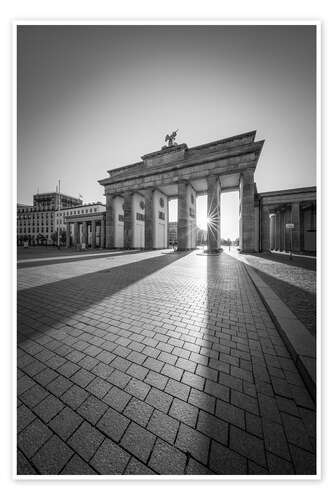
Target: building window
x,y
161,215
121,218
140,216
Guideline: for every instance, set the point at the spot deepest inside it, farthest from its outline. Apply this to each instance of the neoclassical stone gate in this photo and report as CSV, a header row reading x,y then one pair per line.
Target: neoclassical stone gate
x,y
137,195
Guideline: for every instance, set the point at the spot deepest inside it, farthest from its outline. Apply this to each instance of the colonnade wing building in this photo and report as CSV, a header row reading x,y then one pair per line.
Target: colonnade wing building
x,y
137,195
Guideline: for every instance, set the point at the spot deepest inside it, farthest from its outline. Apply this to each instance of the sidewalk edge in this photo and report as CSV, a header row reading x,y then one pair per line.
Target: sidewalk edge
x,y
297,338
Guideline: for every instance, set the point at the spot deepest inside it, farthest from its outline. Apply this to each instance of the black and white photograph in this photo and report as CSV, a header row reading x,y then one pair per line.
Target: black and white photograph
x,y
167,317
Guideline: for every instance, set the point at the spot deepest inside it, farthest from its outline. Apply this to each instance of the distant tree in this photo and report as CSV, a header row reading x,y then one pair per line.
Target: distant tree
x,y
236,242
54,237
63,237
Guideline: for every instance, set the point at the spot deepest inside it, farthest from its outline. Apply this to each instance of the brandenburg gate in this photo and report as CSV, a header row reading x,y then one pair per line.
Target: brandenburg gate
x,y
137,195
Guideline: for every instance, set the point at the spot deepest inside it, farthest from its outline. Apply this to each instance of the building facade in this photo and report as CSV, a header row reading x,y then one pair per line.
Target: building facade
x,y
288,220
54,201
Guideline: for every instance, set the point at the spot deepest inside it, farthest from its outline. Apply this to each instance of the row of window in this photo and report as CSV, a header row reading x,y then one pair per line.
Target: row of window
x,y
24,230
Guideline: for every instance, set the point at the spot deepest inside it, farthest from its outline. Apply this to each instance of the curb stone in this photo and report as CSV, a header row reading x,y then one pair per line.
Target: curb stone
x,y
297,338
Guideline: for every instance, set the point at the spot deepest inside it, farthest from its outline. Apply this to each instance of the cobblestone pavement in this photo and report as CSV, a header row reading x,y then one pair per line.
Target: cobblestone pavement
x,y
293,281
155,364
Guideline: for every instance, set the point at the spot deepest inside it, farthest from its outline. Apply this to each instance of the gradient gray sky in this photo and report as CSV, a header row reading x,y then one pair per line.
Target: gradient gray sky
x,y
92,98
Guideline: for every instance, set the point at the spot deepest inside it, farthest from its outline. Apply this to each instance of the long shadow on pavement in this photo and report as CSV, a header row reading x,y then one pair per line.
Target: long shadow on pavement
x,y
75,258
296,261
41,307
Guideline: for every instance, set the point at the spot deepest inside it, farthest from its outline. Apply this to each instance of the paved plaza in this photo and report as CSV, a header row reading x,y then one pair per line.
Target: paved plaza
x,y
155,363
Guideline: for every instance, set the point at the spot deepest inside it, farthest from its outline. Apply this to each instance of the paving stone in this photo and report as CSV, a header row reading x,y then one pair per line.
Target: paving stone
x,y
46,376
153,364
31,397
186,364
24,417
184,412
32,437
193,380
85,440
110,458
75,396
65,423
77,466
99,387
102,370
59,385
194,468
275,439
253,424
296,432
138,411
213,427
23,466
193,442
135,467
52,456
156,380
269,408
224,461
177,389
92,409
245,402
217,390
88,362
159,400
23,384
279,466
137,388
137,371
247,445
230,413
119,379
48,408
68,369
304,461
113,424
117,398
202,400
163,426
166,459
138,441
82,378
172,371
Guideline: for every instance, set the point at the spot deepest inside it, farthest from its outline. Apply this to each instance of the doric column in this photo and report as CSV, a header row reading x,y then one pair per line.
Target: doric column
x,y
102,244
149,219
247,222
271,231
296,220
109,222
213,214
85,233
68,235
183,215
76,233
93,234
265,229
277,230
282,231
128,222
287,220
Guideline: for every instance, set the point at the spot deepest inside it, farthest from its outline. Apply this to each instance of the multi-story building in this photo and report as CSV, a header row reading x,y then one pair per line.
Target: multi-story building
x,y
37,223
50,201
34,226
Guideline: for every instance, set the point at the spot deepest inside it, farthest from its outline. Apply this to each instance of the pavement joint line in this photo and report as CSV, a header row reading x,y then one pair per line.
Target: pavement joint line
x,y
298,340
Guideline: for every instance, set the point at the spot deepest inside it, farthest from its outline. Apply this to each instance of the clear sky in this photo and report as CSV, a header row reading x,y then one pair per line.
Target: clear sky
x,y
95,98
